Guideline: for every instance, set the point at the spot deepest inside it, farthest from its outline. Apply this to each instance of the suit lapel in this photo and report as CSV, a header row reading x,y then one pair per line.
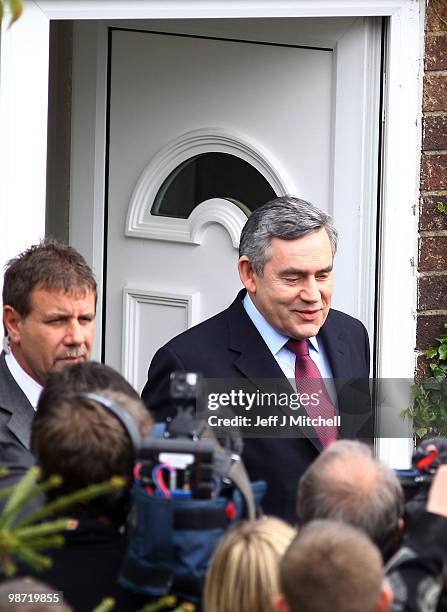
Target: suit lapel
x,y
15,401
353,394
337,349
252,356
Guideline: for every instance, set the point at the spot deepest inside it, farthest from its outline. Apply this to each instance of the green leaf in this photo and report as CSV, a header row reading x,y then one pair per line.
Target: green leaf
x,y
8,566
83,495
168,601
106,605
442,351
16,7
52,541
45,528
441,207
22,492
431,352
431,384
439,371
185,607
35,560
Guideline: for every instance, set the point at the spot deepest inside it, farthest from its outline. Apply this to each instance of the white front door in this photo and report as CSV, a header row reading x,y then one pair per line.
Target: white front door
x,y
201,129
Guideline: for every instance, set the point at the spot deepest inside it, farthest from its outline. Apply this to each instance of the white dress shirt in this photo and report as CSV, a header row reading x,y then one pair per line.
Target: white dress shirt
x,y
29,386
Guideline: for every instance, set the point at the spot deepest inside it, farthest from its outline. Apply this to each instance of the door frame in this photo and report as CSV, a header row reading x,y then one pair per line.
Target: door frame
x,y
400,144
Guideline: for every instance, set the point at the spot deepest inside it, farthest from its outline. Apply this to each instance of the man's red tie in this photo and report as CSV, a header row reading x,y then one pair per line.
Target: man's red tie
x,y
308,380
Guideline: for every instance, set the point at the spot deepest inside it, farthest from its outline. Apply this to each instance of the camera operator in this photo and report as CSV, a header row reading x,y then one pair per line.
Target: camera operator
x,y
415,572
348,484
82,441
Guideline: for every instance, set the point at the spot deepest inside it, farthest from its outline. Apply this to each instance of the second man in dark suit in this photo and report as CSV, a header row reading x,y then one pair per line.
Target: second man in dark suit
x,y
49,301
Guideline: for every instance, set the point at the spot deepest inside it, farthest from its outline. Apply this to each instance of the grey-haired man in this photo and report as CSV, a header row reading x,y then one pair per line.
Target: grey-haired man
x,y
286,257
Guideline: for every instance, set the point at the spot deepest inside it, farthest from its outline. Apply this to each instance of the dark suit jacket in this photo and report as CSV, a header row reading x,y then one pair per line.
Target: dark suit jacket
x,y
228,345
16,418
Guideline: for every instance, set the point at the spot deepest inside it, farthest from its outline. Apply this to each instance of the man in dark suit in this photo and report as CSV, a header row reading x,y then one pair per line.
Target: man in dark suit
x,y
49,298
286,256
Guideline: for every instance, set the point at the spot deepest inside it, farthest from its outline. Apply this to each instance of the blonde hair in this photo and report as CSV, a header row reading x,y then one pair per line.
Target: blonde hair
x,y
244,572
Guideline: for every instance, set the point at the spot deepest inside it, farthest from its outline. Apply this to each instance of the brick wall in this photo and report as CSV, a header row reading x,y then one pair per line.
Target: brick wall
x,y
432,267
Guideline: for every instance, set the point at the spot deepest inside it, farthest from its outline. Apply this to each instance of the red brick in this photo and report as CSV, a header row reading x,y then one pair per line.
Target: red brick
x,y
433,253
432,293
436,15
422,368
434,172
431,219
436,52
434,134
435,92
428,328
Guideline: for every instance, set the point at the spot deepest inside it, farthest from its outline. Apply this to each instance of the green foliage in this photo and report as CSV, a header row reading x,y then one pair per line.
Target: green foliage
x,y
164,603
15,8
106,605
22,538
441,207
428,411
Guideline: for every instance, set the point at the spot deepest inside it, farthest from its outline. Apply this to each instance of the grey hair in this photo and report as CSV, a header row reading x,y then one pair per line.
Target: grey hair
x,y
346,483
286,217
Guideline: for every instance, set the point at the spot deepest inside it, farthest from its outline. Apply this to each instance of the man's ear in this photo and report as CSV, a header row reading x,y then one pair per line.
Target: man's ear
x,y
385,598
247,274
12,320
280,603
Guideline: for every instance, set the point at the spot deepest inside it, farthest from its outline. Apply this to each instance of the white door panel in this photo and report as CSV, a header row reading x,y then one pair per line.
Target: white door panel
x,y
164,86
279,99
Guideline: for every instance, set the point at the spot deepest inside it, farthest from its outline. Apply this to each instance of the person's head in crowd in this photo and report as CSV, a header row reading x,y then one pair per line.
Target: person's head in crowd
x,y
42,597
346,483
286,255
49,303
77,437
332,567
243,574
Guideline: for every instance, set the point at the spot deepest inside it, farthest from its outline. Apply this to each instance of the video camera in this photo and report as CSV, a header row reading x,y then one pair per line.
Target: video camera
x,y
187,490
179,463
427,457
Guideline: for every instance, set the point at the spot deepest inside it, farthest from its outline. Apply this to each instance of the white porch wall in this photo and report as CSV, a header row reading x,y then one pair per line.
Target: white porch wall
x,y
23,131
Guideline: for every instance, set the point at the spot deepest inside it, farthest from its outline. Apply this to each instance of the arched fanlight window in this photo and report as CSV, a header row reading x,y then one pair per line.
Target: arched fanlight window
x,y
211,175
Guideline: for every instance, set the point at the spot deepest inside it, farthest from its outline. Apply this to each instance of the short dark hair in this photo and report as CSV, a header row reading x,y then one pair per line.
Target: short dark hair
x,y
80,439
50,265
287,218
331,566
346,483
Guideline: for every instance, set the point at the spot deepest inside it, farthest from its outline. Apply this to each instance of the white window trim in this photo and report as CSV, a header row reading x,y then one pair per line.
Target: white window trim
x,y
400,180
140,222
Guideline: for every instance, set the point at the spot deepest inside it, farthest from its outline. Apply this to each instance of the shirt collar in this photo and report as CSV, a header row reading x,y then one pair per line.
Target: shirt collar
x,y
272,337
29,386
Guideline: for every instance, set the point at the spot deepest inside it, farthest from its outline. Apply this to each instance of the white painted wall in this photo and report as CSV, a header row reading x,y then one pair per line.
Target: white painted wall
x,y
23,131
